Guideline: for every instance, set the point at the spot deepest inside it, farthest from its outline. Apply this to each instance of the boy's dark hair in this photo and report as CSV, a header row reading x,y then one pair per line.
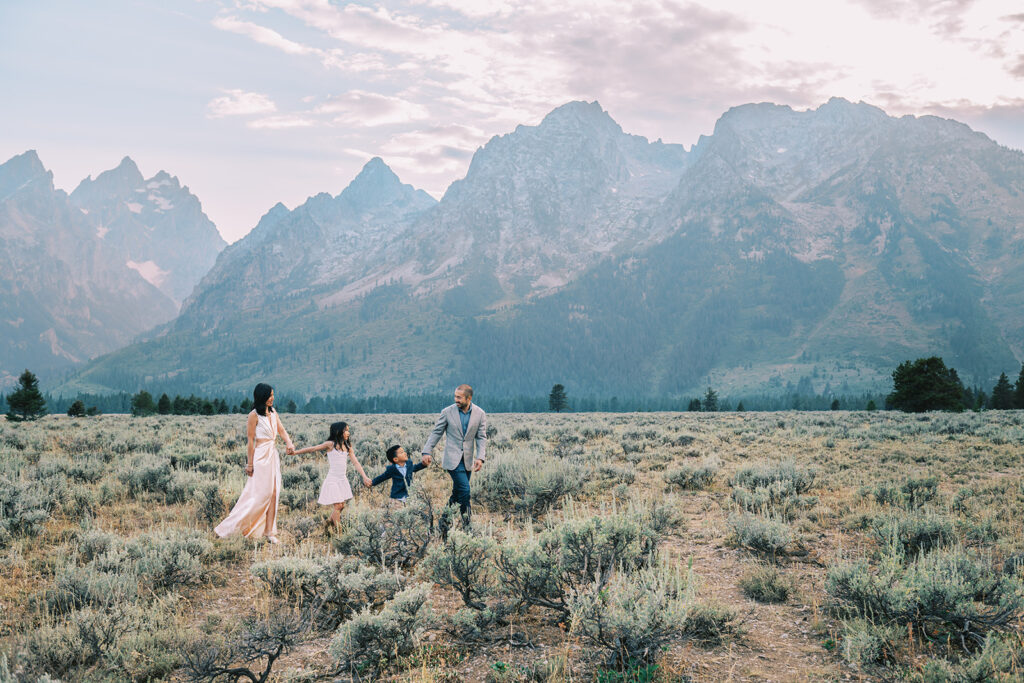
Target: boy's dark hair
x,y
392,452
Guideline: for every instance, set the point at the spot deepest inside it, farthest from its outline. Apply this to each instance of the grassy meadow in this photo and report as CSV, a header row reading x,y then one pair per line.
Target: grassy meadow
x,y
791,546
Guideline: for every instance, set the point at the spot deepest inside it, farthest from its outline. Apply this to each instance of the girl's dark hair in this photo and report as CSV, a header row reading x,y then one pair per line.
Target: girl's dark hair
x,y
260,396
337,435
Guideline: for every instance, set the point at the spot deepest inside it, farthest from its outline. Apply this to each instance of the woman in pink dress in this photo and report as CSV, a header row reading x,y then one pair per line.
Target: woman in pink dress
x,y
255,513
336,490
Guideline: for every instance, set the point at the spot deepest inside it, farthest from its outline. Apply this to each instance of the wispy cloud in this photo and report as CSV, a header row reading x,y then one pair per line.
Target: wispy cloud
x,y
240,103
282,121
364,108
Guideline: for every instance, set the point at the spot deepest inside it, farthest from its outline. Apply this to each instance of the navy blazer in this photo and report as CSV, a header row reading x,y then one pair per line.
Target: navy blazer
x,y
399,484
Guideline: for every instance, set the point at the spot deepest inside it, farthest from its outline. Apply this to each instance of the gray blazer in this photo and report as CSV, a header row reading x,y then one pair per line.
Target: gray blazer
x,y
456,444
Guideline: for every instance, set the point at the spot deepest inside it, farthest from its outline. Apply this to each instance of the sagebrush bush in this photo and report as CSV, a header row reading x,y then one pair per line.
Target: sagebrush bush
x,y
694,477
170,559
948,592
547,570
914,532
767,583
865,644
910,493
333,588
77,587
390,536
631,617
764,474
999,660
464,562
526,482
366,643
26,506
145,474
760,534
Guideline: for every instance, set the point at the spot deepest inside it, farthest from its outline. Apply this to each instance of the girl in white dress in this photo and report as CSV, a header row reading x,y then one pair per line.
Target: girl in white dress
x,y
336,490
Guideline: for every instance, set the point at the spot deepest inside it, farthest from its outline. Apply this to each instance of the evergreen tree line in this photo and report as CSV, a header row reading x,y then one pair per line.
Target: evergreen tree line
x,y
924,384
927,384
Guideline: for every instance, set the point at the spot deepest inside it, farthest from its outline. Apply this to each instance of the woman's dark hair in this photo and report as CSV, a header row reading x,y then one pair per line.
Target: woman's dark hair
x,y
337,435
260,396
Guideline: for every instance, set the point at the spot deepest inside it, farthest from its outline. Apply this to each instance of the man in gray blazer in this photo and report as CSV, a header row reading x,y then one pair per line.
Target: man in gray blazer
x,y
464,426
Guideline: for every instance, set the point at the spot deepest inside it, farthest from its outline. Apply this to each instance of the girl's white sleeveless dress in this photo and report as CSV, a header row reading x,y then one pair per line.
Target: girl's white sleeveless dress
x,y
336,488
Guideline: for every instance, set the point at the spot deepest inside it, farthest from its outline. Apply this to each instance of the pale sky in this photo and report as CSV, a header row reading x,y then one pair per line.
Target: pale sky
x,y
251,102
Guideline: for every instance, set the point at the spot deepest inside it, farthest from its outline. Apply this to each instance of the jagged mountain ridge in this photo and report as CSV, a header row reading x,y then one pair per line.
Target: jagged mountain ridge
x,y
63,299
828,245
158,225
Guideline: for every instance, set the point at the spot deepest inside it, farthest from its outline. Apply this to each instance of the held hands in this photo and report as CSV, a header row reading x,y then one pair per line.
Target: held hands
x,y
289,449
425,459
366,481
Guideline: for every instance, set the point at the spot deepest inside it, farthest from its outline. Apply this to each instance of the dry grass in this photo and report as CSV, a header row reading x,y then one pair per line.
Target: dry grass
x,y
976,459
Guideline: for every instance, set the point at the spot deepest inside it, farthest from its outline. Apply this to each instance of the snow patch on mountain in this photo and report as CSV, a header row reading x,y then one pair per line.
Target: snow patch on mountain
x,y
150,271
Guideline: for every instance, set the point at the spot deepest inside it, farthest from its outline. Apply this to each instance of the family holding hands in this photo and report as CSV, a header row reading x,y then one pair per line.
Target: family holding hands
x,y
463,424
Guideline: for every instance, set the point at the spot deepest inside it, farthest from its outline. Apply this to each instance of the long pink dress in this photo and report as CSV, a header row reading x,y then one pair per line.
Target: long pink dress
x,y
336,488
258,501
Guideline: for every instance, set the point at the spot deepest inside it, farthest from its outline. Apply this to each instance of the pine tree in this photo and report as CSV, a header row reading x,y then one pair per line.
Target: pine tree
x,y
835,404
1018,394
290,407
710,403
26,402
76,409
163,406
1002,394
557,400
142,404
739,407
871,405
926,384
694,406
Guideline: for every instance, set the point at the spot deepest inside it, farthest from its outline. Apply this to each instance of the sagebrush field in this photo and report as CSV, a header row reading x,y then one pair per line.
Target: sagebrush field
x,y
793,546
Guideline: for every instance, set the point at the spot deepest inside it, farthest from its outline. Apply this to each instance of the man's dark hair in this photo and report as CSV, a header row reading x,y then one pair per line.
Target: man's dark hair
x,y
392,453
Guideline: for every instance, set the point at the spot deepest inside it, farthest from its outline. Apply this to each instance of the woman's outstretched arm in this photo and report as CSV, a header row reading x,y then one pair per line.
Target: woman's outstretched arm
x,y
289,447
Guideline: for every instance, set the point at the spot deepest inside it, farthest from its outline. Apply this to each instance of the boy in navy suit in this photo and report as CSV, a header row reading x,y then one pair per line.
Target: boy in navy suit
x,y
399,472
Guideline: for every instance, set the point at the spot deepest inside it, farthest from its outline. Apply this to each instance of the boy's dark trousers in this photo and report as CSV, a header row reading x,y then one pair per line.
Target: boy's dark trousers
x,y
460,494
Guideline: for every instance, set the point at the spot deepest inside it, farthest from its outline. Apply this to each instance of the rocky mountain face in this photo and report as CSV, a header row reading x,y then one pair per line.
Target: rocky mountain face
x,y
62,300
817,248
158,226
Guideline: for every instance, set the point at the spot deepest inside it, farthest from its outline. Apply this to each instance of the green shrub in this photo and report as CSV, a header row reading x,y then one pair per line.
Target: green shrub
x,y
26,506
694,477
463,562
527,483
146,474
209,501
915,532
764,474
333,589
631,617
760,534
368,642
170,560
865,644
767,583
551,568
999,659
948,592
77,587
395,535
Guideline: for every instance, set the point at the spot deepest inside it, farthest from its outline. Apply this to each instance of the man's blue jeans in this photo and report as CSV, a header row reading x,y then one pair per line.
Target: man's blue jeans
x,y
460,490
